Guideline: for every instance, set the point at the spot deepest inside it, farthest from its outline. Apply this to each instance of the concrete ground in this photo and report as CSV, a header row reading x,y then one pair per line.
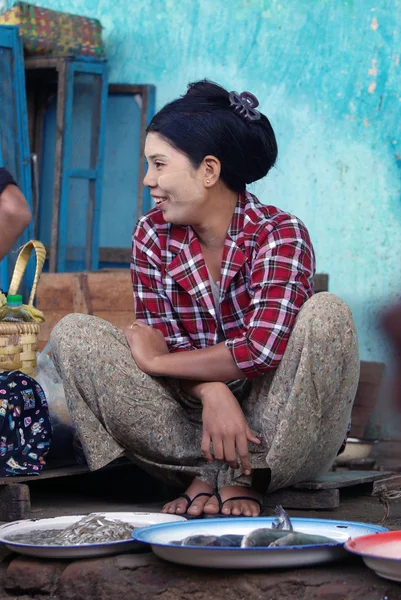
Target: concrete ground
x,y
143,577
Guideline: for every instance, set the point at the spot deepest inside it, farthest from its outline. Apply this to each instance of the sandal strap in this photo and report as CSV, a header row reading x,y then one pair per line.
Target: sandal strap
x,y
187,498
208,494
242,498
191,500
219,500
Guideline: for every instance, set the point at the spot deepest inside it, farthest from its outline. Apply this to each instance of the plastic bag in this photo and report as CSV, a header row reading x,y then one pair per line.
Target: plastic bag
x,y
63,429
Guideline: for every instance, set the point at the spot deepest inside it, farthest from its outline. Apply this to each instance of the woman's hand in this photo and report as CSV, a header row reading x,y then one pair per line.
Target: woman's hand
x,y
146,343
225,427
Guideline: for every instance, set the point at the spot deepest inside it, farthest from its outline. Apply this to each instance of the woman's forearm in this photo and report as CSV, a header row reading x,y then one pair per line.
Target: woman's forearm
x,y
214,363
199,389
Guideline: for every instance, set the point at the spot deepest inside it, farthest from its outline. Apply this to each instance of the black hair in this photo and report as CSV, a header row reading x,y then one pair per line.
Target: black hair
x,y
202,122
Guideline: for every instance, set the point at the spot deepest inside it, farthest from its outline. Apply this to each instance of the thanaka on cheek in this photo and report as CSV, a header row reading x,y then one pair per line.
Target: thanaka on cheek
x,y
180,184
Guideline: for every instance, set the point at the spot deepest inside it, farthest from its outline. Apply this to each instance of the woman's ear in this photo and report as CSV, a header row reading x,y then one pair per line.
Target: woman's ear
x,y
211,168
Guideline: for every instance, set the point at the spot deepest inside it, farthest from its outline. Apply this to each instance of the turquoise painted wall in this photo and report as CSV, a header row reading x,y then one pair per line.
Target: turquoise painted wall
x,y
328,75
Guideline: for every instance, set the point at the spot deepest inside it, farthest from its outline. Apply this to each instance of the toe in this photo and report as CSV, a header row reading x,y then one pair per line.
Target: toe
x,y
229,509
176,507
196,508
212,506
180,507
247,510
237,508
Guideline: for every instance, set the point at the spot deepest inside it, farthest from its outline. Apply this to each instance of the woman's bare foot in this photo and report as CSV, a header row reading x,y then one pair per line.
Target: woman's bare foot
x,y
180,505
247,508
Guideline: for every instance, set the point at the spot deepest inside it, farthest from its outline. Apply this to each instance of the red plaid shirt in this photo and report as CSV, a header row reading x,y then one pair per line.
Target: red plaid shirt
x,y
266,276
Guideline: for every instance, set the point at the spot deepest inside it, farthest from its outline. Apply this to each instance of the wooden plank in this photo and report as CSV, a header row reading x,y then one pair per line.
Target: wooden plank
x,y
111,290
142,91
366,398
304,499
372,372
388,484
82,303
52,318
120,319
115,255
47,473
107,290
45,62
321,282
340,479
55,292
60,117
68,471
15,501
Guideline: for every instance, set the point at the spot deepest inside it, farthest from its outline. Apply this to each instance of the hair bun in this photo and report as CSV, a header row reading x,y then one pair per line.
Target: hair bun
x,y
207,90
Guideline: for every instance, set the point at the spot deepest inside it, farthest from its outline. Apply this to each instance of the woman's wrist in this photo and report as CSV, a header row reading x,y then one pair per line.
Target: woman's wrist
x,y
207,390
201,390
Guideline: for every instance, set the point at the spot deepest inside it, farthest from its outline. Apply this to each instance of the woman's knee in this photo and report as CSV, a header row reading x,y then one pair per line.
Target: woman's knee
x,y
329,310
70,328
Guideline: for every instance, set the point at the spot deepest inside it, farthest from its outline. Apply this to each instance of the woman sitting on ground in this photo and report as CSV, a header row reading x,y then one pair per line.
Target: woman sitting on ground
x,y
234,379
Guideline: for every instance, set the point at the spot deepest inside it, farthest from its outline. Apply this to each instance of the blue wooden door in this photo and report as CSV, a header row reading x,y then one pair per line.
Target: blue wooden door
x,y
14,141
81,173
129,110
82,165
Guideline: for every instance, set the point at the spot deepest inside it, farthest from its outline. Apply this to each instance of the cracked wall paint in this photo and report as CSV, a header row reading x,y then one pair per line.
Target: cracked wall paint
x,y
327,75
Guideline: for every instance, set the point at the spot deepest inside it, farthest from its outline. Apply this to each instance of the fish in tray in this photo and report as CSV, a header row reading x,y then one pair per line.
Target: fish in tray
x,y
269,538
280,534
282,520
222,541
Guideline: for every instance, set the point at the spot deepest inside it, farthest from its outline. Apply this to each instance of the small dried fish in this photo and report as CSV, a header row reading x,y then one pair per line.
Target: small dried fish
x,y
92,529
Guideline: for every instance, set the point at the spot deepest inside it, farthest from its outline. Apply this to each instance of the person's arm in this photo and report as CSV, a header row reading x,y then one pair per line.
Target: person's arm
x,y
151,303
15,214
280,284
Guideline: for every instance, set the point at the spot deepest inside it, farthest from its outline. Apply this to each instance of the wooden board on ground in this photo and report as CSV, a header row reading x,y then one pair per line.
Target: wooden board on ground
x,y
323,493
341,479
46,474
15,502
304,499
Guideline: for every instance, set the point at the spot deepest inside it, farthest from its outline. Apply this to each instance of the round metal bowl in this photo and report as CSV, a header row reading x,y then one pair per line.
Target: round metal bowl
x,y
355,449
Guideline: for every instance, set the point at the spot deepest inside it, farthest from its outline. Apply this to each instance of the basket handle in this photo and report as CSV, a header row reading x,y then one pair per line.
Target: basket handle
x,y
20,267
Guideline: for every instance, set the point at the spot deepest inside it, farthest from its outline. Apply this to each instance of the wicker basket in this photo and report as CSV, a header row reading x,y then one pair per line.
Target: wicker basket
x,y
19,341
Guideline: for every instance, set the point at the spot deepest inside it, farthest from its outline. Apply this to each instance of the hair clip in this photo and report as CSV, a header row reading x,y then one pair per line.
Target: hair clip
x,y
245,105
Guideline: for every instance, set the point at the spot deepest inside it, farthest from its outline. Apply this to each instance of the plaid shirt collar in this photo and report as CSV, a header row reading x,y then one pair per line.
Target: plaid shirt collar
x,y
188,259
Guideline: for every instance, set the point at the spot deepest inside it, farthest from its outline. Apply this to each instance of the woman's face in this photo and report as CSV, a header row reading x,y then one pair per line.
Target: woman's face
x,y
176,187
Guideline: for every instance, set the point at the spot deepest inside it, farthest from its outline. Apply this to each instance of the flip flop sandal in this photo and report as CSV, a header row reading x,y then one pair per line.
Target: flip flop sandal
x,y
190,501
222,503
